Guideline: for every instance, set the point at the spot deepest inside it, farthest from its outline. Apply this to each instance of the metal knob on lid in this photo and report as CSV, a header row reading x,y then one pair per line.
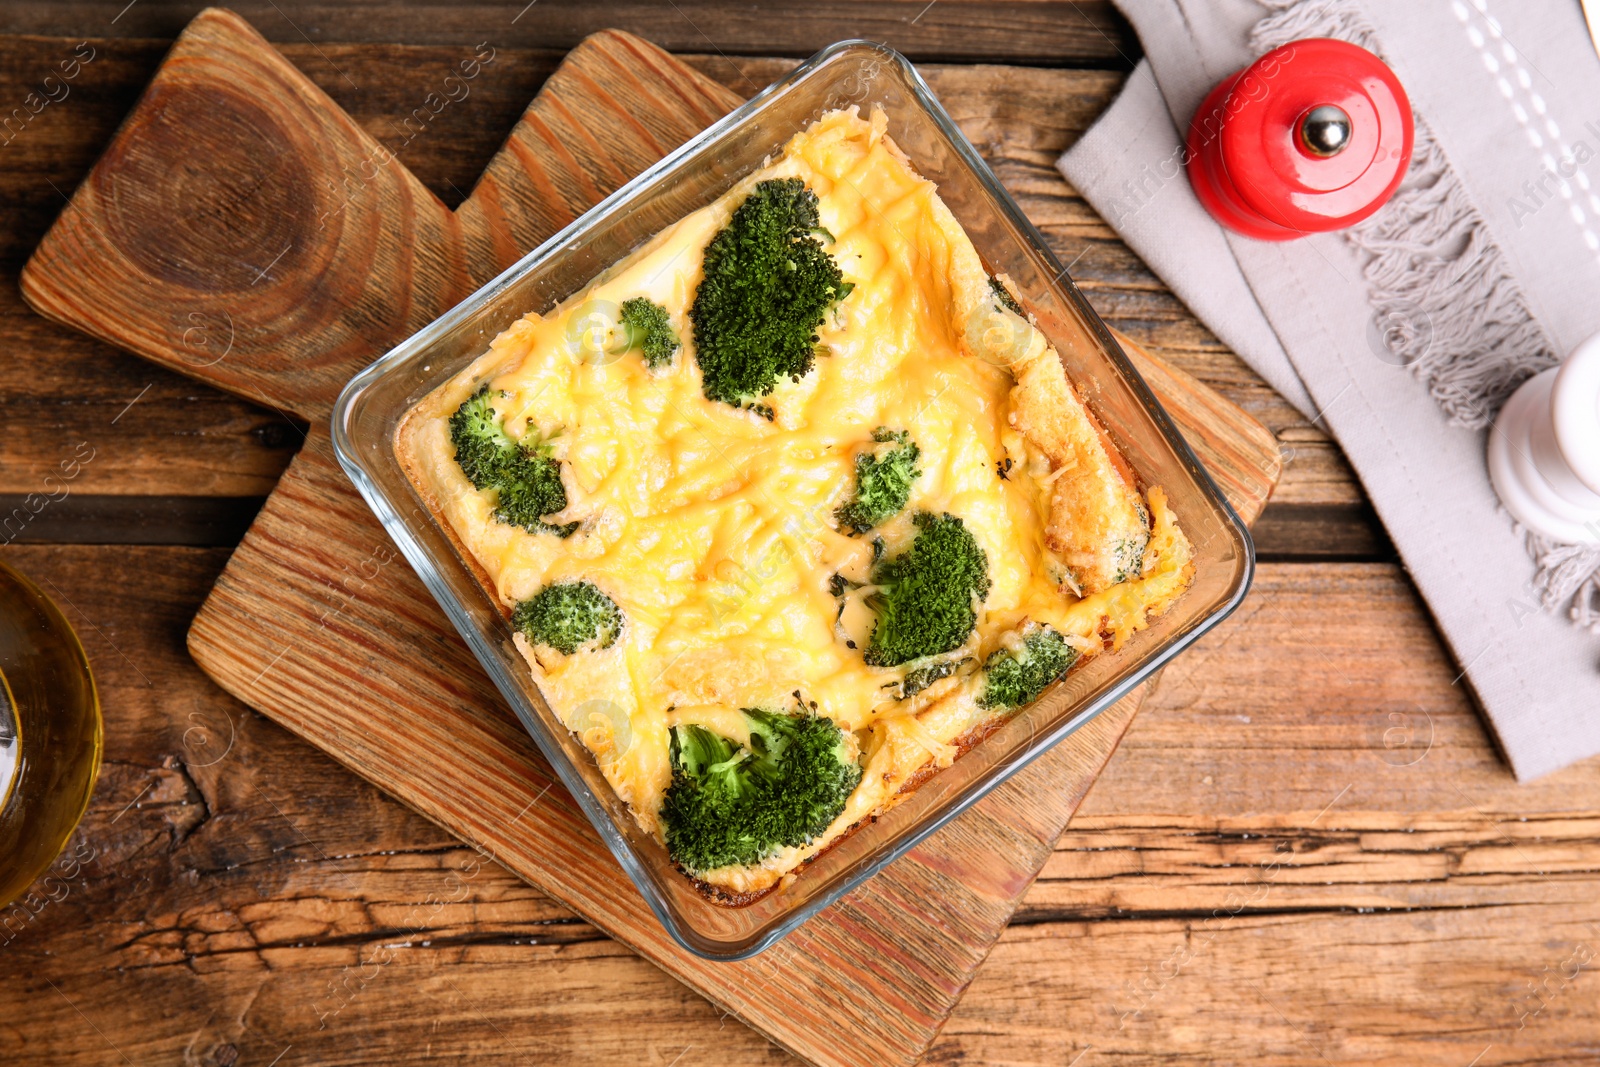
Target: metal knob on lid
x,y
1324,131
1311,137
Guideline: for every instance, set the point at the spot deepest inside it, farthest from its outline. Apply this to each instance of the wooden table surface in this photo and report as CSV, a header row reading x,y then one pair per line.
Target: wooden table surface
x,y
1306,851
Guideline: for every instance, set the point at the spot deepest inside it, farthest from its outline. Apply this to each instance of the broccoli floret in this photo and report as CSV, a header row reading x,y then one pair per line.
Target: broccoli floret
x,y
732,804
767,286
919,678
568,616
1129,553
526,479
883,482
1012,679
926,605
650,331
1003,295
481,442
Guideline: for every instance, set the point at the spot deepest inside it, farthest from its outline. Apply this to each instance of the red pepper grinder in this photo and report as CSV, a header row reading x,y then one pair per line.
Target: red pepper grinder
x,y
1311,137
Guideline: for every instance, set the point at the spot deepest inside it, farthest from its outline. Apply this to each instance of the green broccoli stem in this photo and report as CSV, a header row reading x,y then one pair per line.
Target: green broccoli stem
x,y
735,804
1003,295
1013,678
919,678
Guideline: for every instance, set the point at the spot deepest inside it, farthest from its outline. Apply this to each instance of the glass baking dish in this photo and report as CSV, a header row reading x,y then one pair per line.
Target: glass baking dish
x,y
369,410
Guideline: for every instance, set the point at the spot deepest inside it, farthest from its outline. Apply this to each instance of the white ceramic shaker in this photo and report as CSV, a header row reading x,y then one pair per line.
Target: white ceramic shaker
x,y
1544,450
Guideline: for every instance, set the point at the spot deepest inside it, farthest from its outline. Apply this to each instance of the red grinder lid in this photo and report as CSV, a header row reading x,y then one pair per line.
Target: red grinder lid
x,y
1313,136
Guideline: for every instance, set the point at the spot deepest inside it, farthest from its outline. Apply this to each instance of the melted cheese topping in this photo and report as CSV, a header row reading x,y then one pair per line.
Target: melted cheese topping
x,y
712,528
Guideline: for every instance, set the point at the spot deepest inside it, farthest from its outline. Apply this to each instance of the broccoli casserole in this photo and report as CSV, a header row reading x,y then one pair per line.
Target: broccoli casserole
x,y
790,507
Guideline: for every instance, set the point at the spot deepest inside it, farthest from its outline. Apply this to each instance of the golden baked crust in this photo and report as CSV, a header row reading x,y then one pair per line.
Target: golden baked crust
x,y
1098,525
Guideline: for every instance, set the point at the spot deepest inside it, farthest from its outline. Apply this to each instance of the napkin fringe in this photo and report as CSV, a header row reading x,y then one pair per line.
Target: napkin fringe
x,y
1445,304
1568,576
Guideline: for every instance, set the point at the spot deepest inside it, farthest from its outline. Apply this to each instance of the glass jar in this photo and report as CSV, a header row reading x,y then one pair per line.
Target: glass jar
x,y
49,733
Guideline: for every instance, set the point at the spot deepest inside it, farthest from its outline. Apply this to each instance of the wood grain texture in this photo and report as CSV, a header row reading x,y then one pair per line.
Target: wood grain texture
x,y
1308,852
1046,32
125,519
248,894
251,898
1284,533
239,898
236,207
1241,454
304,620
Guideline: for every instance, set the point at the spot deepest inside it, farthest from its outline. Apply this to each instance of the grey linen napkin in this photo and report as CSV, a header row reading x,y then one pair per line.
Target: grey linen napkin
x,y
1404,335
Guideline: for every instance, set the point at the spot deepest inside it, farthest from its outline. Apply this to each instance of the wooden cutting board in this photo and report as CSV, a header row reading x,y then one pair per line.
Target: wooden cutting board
x,y
241,228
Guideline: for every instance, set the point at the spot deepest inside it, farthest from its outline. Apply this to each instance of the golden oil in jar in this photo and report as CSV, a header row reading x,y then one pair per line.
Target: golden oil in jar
x,y
50,733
